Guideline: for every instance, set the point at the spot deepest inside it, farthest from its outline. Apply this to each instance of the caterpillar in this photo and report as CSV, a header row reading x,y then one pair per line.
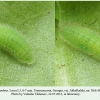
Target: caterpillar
x,y
13,43
82,39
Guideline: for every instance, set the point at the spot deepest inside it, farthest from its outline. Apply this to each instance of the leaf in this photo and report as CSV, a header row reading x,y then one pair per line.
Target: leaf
x,y
74,67
35,21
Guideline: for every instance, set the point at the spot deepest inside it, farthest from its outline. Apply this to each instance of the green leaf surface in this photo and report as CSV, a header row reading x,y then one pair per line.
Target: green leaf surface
x,y
73,67
36,22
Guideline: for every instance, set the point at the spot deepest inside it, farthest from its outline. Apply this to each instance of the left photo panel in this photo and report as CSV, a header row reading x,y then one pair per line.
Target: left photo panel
x,y
27,41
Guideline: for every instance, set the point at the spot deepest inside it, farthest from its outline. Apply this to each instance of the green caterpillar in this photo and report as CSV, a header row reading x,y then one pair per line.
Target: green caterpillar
x,y
83,39
12,42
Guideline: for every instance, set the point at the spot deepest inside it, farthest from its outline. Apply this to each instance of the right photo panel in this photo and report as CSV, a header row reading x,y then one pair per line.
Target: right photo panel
x,y
77,40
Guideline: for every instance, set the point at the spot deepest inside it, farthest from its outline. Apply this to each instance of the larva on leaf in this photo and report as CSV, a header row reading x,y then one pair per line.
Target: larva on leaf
x,y
83,39
12,42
